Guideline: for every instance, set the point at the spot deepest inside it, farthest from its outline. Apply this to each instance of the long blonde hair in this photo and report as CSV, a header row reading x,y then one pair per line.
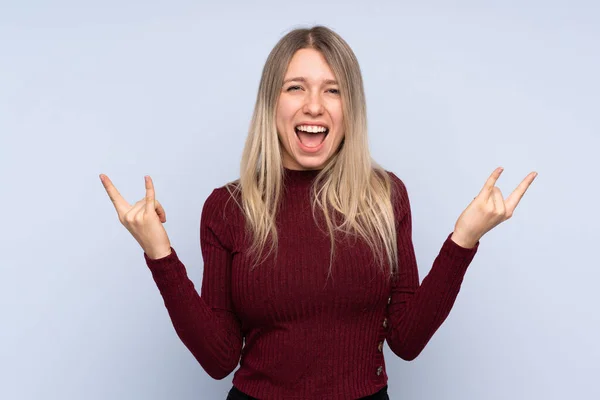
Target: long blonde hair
x,y
351,184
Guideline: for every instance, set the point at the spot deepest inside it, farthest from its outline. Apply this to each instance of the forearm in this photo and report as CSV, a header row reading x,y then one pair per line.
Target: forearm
x,y
417,311
212,336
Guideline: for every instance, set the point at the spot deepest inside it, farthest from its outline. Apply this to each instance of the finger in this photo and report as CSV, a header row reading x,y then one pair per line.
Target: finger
x,y
150,206
138,207
161,212
491,182
515,197
118,201
157,210
498,200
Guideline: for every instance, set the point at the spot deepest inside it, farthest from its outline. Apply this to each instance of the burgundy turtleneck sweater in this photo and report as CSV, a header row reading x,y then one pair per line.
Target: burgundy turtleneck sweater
x,y
306,336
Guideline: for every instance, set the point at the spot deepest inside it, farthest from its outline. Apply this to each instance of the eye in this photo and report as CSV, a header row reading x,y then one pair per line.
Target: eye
x,y
334,91
291,88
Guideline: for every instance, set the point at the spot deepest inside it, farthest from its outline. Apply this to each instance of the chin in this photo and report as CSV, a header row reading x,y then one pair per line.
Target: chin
x,y
311,165
310,161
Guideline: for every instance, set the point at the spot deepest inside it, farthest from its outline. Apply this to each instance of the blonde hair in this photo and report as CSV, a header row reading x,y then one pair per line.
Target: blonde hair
x,y
350,184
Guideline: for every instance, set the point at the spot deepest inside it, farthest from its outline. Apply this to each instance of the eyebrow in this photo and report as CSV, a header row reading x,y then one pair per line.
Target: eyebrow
x,y
303,79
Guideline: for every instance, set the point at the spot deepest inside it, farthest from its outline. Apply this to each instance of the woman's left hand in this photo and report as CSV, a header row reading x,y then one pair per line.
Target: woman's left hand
x,y
488,210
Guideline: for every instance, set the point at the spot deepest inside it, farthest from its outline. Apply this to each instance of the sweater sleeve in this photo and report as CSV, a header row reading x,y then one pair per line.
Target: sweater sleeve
x,y
417,311
206,324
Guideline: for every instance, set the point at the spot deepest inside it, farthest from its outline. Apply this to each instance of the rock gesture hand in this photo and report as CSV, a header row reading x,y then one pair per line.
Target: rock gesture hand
x,y
143,220
487,210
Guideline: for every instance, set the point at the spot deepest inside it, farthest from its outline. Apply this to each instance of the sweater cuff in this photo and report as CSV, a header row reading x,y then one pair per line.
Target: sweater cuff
x,y
455,251
168,268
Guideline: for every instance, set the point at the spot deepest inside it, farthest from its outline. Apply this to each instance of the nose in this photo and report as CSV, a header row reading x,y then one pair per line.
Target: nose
x,y
313,105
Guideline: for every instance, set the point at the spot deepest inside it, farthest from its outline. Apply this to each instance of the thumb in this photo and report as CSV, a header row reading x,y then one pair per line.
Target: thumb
x,y
161,212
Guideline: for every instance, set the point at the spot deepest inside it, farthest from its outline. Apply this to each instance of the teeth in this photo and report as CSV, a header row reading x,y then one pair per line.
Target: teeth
x,y
311,128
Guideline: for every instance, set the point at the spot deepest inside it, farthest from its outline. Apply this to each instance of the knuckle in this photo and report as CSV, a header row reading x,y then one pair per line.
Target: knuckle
x,y
129,217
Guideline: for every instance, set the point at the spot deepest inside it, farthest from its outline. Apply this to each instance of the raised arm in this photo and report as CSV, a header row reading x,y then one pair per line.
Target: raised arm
x,y
206,324
417,311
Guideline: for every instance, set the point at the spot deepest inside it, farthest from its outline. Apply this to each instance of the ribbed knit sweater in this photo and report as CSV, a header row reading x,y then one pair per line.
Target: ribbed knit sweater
x,y
295,333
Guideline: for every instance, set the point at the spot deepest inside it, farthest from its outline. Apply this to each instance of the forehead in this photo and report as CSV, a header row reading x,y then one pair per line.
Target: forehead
x,y
309,63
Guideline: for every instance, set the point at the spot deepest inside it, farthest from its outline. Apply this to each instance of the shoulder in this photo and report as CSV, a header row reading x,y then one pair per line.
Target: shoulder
x,y
398,193
222,202
397,186
229,191
397,183
220,217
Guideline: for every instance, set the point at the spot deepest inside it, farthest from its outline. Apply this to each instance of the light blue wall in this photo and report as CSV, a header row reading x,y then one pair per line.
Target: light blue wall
x,y
129,88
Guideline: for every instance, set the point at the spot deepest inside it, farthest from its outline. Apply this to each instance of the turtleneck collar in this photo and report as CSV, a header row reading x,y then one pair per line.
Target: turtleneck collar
x,y
298,177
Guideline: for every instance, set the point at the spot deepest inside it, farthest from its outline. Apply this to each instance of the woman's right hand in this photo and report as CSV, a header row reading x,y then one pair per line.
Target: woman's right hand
x,y
144,220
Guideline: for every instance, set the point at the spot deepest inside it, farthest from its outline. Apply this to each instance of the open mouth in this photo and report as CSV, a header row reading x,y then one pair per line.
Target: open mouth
x,y
311,136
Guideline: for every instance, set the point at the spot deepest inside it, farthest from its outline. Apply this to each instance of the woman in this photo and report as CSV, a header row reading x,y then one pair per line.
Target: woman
x,y
309,265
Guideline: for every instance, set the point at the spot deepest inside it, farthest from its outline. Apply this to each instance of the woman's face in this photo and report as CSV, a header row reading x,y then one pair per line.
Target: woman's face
x,y
309,112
